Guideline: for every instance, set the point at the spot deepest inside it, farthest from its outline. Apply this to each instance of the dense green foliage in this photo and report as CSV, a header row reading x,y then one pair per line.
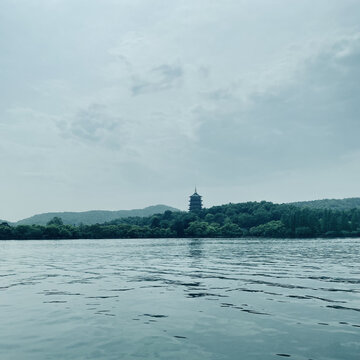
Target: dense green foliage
x,y
333,204
256,219
93,216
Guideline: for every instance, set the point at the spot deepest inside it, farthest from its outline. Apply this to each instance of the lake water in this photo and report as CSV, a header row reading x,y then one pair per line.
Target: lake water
x,y
180,299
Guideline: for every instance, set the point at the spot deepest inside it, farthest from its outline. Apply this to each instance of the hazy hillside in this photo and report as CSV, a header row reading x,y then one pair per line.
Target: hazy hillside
x,y
93,216
334,204
101,216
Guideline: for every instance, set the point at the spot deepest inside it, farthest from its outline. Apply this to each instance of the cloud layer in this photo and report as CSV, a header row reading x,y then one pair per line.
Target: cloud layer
x,y
126,104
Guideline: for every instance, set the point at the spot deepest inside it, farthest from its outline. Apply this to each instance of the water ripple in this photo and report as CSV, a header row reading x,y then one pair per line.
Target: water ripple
x,y
139,299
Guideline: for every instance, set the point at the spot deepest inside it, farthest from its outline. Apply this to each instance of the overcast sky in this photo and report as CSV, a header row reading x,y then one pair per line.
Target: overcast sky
x,y
120,104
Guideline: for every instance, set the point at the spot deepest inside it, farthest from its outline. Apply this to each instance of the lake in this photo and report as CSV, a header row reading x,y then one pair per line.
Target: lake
x,y
180,299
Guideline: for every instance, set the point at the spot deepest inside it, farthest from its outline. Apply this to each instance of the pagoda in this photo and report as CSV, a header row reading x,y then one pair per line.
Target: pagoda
x,y
195,202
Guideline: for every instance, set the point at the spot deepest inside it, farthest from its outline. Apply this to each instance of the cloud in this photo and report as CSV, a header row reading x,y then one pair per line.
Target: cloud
x,y
311,120
92,125
160,78
145,97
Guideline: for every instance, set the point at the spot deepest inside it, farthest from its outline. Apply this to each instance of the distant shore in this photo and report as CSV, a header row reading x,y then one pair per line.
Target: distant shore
x,y
251,219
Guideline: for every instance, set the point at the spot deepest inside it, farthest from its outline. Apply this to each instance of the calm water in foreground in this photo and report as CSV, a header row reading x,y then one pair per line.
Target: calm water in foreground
x,y
180,299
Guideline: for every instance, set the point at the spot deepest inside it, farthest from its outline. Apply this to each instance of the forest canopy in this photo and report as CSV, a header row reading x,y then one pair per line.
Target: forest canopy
x,y
251,219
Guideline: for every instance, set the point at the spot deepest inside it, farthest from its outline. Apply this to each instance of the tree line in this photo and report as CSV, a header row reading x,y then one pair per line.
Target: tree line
x,y
251,219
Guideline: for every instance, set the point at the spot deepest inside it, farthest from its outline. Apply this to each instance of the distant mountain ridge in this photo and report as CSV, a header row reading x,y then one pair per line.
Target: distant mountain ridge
x,y
101,216
93,216
333,204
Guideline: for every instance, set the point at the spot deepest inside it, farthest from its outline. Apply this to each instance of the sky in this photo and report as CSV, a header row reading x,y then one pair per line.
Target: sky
x,y
122,104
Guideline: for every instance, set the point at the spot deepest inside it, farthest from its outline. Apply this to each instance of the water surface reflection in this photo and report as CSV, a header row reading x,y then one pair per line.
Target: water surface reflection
x,y
180,298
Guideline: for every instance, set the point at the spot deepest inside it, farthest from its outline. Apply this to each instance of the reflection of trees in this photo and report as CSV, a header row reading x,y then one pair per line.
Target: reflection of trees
x,y
196,248
196,288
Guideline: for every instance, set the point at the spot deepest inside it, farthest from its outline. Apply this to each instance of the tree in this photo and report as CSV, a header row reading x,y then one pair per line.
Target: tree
x,y
200,229
55,221
231,230
303,232
271,229
178,227
51,232
155,222
6,232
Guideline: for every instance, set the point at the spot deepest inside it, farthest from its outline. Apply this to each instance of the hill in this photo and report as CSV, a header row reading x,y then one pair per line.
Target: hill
x,y
333,204
93,216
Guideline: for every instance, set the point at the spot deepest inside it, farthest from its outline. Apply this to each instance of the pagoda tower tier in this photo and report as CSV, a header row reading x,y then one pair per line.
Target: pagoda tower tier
x,y
195,203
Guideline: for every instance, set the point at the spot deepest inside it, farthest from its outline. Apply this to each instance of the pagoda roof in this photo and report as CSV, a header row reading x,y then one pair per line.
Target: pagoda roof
x,y
195,193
